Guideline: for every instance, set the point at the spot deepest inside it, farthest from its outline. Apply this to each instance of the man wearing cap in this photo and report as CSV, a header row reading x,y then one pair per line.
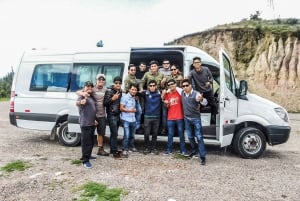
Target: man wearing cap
x,y
112,100
87,115
153,74
98,93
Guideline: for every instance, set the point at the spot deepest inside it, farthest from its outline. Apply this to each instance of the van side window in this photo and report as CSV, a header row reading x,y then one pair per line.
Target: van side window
x,y
88,71
50,77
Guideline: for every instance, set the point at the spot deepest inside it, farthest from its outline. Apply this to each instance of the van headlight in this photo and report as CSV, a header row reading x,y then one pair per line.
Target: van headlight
x,y
282,113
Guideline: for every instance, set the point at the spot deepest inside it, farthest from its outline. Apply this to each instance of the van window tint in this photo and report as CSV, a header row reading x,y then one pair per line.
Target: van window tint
x,y
88,72
50,77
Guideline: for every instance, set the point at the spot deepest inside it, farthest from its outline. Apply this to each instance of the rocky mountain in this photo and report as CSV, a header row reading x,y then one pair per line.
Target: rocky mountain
x,y
265,53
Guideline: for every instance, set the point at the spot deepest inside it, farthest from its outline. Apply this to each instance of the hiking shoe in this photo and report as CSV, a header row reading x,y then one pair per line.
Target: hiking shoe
x,y
155,152
125,154
203,161
117,155
133,149
146,151
102,152
87,165
93,158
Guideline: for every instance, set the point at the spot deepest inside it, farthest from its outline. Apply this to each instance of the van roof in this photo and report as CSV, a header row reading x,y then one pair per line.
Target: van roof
x,y
206,58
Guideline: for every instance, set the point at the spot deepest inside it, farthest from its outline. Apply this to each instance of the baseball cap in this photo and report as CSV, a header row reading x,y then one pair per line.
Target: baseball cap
x,y
100,76
88,84
118,78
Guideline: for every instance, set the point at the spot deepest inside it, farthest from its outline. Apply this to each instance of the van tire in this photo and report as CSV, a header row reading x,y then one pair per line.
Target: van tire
x,y
68,139
249,143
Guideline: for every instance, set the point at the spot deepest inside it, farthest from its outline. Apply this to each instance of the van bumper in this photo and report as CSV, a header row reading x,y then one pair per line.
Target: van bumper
x,y
278,134
12,118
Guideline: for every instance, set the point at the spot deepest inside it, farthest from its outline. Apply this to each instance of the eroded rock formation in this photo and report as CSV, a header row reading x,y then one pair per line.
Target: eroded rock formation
x,y
269,62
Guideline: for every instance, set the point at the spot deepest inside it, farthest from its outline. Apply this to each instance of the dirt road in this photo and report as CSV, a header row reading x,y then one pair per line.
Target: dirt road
x,y
275,176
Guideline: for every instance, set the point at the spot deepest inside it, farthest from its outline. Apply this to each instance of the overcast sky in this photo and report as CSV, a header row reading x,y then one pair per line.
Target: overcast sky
x,y
26,24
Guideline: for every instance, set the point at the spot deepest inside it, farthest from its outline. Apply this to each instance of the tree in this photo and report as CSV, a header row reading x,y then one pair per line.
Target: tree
x,y
5,85
255,16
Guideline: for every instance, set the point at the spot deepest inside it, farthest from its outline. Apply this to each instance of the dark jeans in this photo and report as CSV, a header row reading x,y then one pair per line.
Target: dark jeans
x,y
87,142
211,101
113,122
194,129
164,110
151,125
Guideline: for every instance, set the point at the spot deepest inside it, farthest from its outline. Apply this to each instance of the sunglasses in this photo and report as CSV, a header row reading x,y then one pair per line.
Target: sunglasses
x,y
173,69
185,85
171,84
152,85
118,82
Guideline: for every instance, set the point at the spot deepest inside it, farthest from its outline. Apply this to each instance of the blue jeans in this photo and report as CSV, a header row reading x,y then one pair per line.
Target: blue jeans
x,y
138,114
193,128
179,125
113,122
129,131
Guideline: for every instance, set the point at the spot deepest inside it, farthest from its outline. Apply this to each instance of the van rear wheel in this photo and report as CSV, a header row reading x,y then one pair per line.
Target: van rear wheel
x,y
249,142
66,138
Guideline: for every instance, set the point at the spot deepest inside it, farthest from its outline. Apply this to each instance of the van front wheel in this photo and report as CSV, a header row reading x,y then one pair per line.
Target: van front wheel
x,y
249,142
66,138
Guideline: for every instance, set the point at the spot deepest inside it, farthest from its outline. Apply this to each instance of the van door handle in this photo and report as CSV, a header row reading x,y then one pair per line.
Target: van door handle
x,y
226,99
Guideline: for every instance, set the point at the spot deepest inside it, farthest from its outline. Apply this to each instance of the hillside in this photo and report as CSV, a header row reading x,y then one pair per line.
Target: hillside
x,y
265,53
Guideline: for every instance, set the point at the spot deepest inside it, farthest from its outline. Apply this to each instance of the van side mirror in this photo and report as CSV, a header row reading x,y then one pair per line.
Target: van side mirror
x,y
243,90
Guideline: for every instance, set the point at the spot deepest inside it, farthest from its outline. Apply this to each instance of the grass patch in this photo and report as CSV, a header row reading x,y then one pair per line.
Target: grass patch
x,y
99,192
180,156
4,99
76,162
16,166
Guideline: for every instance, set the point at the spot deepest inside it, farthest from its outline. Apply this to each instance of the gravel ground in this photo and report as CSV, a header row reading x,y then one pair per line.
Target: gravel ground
x,y
275,176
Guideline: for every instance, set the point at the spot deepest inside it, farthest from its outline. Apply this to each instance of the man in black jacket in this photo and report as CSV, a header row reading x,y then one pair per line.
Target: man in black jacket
x,y
112,99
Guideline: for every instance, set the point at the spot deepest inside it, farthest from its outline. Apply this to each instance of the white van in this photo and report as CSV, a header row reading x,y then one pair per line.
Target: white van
x,y
43,95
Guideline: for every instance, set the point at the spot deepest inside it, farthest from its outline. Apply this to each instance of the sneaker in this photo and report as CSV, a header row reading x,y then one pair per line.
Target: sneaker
x,y
117,155
184,154
146,151
87,165
133,149
203,161
102,152
155,152
167,153
124,154
93,158
193,155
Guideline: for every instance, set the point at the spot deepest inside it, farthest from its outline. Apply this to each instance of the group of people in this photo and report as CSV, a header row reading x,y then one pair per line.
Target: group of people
x,y
166,100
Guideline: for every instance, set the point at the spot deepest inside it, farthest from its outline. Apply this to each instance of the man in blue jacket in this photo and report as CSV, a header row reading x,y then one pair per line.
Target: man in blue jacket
x,y
153,104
